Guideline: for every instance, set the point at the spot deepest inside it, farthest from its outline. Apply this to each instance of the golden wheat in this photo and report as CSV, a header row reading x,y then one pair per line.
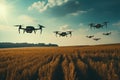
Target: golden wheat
x,y
61,63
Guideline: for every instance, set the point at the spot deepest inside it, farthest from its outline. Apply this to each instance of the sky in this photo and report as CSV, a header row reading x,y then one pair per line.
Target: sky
x,y
60,15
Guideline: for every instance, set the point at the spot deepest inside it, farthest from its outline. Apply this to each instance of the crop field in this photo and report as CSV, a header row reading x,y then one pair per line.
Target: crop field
x,y
61,63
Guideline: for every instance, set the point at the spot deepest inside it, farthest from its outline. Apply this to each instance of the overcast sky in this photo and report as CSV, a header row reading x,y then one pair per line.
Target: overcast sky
x,y
75,15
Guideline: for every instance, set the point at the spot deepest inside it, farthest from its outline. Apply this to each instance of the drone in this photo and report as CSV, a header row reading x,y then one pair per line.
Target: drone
x,y
96,39
108,33
90,36
29,29
63,34
97,26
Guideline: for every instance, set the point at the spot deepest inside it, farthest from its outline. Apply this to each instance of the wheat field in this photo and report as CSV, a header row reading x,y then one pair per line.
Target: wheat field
x,y
61,63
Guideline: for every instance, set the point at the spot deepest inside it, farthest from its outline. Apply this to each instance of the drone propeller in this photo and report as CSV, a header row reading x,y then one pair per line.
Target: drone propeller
x,y
70,32
40,27
20,27
56,32
91,25
108,33
90,36
105,23
96,39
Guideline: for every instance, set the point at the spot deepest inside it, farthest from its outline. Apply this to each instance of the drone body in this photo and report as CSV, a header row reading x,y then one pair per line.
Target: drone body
x,y
108,33
63,34
90,36
29,29
98,25
96,39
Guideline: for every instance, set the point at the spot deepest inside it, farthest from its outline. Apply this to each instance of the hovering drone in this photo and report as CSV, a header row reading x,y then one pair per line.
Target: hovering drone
x,y
108,33
63,34
90,36
96,39
29,29
97,26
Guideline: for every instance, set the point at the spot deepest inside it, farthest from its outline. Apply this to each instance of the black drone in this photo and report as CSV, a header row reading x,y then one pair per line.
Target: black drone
x,y
108,33
90,36
63,34
29,29
97,26
96,39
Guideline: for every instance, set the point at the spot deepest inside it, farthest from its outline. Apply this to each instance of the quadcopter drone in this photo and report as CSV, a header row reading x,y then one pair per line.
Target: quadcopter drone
x,y
63,34
108,33
97,26
96,39
29,29
90,36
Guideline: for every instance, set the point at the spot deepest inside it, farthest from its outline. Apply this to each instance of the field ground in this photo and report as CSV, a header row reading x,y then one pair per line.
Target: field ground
x,y
61,63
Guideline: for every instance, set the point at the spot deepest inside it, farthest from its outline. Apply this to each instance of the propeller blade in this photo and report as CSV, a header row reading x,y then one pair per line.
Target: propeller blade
x,y
41,26
18,25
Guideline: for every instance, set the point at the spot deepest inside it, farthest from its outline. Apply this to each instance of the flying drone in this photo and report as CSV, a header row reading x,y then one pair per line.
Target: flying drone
x,y
97,26
29,29
63,34
108,33
96,39
90,36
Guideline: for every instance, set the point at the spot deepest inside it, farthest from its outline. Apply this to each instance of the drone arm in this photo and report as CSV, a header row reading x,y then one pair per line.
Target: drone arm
x,y
37,29
22,28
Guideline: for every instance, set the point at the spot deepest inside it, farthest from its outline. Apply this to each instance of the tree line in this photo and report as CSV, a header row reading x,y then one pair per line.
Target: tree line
x,y
12,45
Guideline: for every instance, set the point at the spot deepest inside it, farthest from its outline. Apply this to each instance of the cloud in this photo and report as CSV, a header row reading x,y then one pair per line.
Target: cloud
x,y
53,3
40,6
77,13
44,5
65,28
27,19
58,7
116,24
